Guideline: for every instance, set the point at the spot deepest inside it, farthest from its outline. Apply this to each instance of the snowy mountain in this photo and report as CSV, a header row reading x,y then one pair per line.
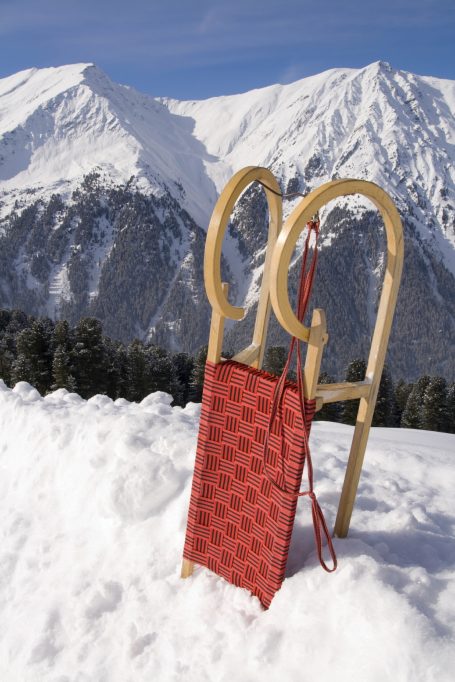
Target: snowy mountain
x,y
105,194
94,500
59,124
390,127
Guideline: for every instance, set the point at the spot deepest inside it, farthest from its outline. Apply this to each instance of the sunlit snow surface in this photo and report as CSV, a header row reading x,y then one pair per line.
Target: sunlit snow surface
x,y
389,126
93,502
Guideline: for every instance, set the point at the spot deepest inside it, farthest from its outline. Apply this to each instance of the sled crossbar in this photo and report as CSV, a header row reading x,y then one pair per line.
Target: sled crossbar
x,y
332,393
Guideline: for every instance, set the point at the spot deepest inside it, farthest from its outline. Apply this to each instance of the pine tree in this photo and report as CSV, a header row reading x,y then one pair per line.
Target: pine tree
x,y
412,413
451,409
434,407
6,360
89,358
402,391
11,323
5,319
275,360
62,335
159,370
384,410
61,371
183,365
355,372
21,370
136,371
34,347
197,375
117,369
330,411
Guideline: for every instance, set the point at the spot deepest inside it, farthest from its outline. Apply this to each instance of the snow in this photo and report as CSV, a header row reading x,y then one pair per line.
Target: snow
x,y
93,503
388,126
377,123
374,123
58,124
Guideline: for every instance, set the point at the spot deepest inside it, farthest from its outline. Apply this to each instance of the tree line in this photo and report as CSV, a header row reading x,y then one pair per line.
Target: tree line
x,y
428,403
52,355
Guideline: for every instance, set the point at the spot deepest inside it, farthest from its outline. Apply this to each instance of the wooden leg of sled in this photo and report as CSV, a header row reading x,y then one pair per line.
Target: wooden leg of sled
x,y
187,568
316,342
373,375
213,355
217,332
354,467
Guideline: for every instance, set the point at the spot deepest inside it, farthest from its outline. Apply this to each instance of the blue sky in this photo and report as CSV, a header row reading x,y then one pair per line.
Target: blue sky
x,y
201,48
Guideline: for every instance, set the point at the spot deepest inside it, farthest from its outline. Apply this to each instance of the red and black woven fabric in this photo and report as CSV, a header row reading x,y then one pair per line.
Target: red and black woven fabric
x,y
251,451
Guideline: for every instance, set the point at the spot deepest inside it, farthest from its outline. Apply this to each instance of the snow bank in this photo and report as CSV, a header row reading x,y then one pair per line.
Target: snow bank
x,y
93,501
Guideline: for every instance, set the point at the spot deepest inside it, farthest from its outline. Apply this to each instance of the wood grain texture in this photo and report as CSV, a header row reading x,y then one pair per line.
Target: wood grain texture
x,y
217,291
316,343
215,235
346,390
367,390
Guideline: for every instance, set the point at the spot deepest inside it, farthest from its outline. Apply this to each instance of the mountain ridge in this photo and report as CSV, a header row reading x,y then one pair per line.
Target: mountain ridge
x,y
83,121
335,156
74,146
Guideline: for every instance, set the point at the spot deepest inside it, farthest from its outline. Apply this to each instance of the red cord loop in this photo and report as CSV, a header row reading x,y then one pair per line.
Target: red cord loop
x,y
305,285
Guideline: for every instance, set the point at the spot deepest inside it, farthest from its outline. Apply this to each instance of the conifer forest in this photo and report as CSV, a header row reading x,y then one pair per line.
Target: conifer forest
x,y
52,355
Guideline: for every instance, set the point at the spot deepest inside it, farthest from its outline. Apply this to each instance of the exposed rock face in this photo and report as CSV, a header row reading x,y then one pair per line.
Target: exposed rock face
x,y
105,194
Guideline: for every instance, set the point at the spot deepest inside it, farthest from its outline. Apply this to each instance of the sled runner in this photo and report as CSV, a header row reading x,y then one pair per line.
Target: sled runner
x,y
254,429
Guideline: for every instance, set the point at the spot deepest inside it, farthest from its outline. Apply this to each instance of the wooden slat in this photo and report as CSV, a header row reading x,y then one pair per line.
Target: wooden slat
x,y
248,355
332,393
214,244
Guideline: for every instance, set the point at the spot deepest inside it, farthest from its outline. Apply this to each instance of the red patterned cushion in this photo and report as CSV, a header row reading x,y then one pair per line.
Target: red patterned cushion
x,y
239,524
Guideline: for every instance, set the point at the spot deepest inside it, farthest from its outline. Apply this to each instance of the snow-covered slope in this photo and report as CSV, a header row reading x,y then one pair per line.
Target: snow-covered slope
x,y
388,126
93,504
59,124
385,125
105,194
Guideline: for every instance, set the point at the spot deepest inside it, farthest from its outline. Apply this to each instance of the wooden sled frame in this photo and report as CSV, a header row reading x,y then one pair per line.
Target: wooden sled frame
x,y
274,292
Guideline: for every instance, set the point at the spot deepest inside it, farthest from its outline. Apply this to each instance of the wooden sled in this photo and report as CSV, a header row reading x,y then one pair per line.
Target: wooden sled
x,y
274,293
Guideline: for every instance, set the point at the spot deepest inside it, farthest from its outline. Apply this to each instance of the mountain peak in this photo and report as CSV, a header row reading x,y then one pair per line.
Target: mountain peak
x,y
37,85
69,69
383,65
379,67
26,90
59,125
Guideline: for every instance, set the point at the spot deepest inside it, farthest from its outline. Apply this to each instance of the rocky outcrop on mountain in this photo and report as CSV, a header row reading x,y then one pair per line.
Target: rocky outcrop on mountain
x,y
105,195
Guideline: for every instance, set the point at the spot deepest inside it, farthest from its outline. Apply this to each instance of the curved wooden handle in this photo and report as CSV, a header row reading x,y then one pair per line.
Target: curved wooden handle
x,y
217,291
297,221
217,229
367,390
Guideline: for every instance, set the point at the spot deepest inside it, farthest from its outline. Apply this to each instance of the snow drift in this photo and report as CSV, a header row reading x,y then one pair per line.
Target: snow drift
x,y
93,502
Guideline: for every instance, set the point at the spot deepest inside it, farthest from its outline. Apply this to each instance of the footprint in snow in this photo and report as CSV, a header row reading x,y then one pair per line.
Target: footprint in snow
x,y
50,641
138,646
104,603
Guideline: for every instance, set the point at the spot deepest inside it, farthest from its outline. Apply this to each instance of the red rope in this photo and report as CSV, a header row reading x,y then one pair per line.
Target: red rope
x,y
305,285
